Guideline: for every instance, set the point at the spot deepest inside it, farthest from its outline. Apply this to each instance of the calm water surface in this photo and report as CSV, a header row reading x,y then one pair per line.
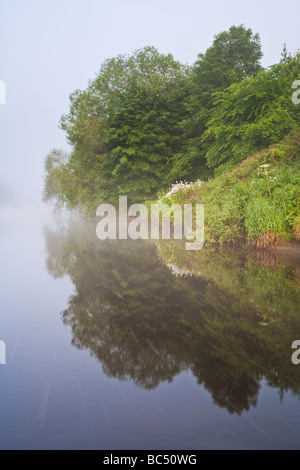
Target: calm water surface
x,y
142,345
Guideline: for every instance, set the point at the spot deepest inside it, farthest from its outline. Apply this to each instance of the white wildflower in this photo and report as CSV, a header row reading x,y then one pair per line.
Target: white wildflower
x,y
266,165
183,185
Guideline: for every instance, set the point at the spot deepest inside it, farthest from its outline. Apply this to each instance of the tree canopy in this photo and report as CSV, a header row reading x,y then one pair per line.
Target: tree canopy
x,y
234,55
124,128
147,120
252,114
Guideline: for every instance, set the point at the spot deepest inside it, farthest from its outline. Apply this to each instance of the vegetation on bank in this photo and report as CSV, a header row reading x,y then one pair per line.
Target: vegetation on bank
x,y
147,121
258,200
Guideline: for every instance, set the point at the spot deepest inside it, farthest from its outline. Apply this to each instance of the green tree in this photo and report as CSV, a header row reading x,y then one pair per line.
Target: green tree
x,y
124,128
233,56
54,162
144,135
250,115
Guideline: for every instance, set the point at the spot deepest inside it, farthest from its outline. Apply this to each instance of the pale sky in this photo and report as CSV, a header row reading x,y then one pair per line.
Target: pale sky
x,y
49,48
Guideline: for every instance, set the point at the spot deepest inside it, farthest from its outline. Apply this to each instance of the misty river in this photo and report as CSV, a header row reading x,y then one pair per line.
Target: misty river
x,y
143,345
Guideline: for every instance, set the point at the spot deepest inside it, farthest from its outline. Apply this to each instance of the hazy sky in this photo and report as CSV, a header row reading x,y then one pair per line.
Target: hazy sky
x,y
51,47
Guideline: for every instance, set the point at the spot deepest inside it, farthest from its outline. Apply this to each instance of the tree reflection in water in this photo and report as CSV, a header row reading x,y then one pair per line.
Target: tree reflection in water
x,y
149,311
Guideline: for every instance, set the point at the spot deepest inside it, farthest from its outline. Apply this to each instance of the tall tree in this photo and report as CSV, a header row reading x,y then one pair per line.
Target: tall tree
x,y
253,114
234,55
124,128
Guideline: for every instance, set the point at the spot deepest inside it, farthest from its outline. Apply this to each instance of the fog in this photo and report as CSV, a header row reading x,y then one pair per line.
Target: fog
x,y
51,48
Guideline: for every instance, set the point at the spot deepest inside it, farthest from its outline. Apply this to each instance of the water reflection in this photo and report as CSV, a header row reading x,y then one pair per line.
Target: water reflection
x,y
149,311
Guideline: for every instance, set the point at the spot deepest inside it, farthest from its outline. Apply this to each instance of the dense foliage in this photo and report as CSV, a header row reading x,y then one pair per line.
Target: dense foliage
x,y
233,56
252,114
147,121
258,200
124,129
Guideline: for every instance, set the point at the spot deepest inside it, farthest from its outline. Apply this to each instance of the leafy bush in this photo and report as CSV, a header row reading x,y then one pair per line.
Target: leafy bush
x,y
259,200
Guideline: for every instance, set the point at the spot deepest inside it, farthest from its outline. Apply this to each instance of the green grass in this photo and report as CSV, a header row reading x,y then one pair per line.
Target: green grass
x,y
258,201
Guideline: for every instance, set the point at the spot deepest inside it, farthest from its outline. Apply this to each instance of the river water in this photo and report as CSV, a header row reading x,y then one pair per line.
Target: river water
x,y
143,345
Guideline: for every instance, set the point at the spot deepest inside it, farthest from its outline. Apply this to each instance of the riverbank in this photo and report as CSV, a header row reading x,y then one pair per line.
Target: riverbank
x,y
256,203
